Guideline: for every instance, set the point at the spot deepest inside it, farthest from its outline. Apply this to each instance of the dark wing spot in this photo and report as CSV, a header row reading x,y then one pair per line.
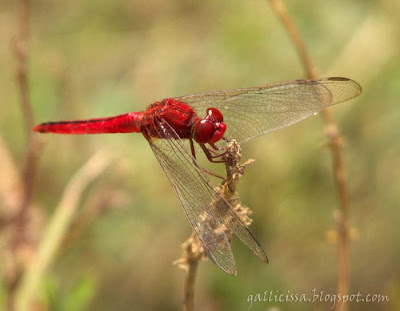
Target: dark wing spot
x,y
338,79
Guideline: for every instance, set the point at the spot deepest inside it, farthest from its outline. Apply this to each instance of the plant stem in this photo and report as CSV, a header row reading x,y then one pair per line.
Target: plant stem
x,y
335,144
192,263
21,50
18,239
193,251
57,228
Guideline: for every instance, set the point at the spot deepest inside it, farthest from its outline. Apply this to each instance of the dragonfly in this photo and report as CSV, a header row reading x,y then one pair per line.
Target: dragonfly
x,y
207,119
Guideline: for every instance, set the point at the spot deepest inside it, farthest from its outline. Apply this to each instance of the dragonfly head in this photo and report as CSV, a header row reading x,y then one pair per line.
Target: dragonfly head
x,y
210,129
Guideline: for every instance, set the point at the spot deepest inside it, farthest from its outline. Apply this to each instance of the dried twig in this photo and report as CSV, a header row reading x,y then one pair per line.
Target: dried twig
x,y
18,238
21,44
335,143
193,251
57,228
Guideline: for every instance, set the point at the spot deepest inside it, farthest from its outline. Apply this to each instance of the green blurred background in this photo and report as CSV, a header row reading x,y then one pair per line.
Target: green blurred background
x,y
100,58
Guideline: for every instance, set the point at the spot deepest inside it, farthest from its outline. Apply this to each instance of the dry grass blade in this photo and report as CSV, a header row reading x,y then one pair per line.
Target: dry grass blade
x,y
57,228
10,186
18,239
335,144
21,52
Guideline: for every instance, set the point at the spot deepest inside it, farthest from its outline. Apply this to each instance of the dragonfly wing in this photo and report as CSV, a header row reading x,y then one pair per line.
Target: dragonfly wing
x,y
251,112
208,213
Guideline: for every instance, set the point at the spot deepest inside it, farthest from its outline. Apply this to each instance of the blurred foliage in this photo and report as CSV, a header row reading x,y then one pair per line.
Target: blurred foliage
x,y
75,299
99,58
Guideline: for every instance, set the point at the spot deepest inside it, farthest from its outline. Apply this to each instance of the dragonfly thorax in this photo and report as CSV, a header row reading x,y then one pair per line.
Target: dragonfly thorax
x,y
210,129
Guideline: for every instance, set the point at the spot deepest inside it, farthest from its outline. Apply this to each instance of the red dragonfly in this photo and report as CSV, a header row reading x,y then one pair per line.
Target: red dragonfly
x,y
242,114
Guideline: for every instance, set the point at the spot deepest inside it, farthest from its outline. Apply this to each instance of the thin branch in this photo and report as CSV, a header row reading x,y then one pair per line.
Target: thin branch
x,y
193,251
335,144
18,239
21,50
57,228
192,254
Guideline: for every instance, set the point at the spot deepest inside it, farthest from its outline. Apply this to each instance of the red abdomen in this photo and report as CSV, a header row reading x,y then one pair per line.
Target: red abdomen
x,y
124,123
178,115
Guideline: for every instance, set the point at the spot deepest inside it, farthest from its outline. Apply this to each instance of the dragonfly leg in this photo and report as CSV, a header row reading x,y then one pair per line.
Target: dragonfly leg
x,y
216,154
210,157
197,164
215,147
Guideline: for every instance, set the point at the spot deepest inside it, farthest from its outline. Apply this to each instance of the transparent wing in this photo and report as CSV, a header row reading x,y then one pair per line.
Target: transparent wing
x,y
208,213
251,112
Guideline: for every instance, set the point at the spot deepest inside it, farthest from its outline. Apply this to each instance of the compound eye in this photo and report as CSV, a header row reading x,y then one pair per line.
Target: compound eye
x,y
203,131
215,114
218,133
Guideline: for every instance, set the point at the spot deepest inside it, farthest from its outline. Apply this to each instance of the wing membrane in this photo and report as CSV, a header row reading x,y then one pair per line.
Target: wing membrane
x,y
208,213
251,112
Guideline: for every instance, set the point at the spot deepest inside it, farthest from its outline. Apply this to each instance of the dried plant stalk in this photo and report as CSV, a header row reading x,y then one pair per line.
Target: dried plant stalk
x,y
18,239
21,52
335,144
193,251
57,228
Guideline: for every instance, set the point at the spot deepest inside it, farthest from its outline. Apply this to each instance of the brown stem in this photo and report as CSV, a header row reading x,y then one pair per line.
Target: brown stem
x,y
335,144
190,280
193,251
21,55
193,257
20,49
